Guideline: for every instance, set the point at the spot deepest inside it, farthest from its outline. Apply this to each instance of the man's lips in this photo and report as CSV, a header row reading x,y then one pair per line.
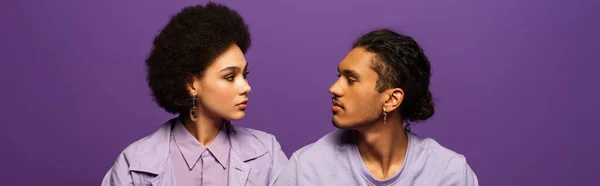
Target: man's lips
x,y
337,106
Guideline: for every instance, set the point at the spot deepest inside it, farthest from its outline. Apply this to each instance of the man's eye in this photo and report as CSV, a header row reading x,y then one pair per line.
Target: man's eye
x,y
351,80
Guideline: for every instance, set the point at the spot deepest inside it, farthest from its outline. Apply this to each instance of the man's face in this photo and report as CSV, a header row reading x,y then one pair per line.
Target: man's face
x,y
356,102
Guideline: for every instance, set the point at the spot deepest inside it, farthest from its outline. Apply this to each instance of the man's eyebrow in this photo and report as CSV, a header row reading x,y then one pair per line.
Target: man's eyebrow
x,y
351,73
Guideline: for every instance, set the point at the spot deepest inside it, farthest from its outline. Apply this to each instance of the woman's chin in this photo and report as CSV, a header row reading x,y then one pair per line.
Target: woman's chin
x,y
236,115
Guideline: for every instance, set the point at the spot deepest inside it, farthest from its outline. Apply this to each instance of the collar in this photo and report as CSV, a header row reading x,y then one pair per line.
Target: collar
x,y
192,150
151,153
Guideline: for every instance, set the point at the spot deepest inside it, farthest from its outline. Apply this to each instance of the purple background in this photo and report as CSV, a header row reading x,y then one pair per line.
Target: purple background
x,y
513,81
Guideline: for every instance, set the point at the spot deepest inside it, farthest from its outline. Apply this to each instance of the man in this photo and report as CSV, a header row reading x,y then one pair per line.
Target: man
x,y
383,86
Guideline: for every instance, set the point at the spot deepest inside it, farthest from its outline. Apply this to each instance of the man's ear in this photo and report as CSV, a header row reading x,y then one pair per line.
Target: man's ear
x,y
394,99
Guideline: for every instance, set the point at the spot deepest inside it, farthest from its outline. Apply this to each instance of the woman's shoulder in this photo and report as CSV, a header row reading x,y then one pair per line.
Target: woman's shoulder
x,y
253,140
154,144
255,133
249,135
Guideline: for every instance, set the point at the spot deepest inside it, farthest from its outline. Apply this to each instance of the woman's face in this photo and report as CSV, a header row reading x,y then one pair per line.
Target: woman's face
x,y
223,90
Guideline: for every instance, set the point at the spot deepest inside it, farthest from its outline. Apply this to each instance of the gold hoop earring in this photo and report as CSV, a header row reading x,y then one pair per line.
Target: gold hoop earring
x,y
193,110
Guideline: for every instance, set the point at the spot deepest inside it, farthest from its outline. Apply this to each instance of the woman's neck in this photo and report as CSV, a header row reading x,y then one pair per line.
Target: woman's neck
x,y
204,128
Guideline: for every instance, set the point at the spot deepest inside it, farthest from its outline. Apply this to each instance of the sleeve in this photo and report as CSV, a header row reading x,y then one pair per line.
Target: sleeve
x,y
279,159
470,177
290,173
459,173
118,174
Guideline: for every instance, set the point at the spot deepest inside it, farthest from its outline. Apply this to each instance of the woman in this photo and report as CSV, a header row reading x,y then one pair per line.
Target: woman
x,y
197,69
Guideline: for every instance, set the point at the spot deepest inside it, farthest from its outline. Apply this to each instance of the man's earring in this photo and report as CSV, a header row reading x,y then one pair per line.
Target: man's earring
x,y
384,115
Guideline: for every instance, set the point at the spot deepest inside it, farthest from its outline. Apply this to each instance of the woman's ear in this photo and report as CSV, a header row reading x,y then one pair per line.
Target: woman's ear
x,y
193,86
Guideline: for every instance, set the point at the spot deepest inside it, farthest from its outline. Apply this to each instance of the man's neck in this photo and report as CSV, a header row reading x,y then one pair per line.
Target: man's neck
x,y
204,129
383,147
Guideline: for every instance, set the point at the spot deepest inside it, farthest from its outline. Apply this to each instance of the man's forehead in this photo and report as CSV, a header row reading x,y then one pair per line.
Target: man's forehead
x,y
357,59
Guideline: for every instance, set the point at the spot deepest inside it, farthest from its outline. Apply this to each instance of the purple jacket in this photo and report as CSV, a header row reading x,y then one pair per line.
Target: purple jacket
x,y
256,159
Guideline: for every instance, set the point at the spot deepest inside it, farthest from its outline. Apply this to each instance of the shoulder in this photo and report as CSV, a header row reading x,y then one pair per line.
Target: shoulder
x,y
449,164
254,133
251,143
150,144
148,150
255,136
431,148
262,147
315,161
147,154
324,149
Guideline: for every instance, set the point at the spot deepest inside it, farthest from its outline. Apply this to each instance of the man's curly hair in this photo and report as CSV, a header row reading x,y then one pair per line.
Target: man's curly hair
x,y
186,46
401,63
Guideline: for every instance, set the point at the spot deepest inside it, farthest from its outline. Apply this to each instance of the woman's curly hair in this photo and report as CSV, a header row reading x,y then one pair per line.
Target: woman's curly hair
x,y
186,46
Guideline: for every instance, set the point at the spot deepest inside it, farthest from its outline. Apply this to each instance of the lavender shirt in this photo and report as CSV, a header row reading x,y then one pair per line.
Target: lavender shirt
x,y
255,159
195,164
334,160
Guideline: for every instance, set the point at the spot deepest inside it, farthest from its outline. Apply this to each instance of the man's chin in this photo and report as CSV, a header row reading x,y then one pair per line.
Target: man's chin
x,y
338,125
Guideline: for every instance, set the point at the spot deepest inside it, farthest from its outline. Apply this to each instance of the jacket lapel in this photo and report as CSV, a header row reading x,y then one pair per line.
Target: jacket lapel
x,y
238,171
151,163
167,178
153,166
245,147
